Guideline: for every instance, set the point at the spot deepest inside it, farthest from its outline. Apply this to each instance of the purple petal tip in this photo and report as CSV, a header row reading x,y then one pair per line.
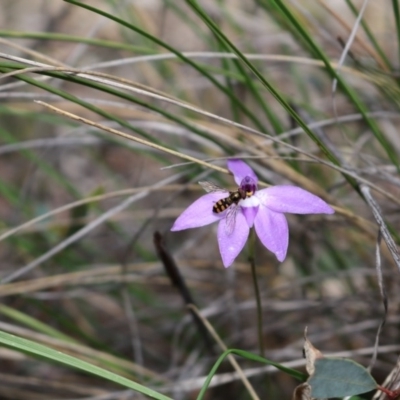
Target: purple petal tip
x,y
280,256
330,210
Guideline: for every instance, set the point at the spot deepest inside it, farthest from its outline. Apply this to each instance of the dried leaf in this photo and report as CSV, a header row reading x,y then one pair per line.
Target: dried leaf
x,y
311,354
302,392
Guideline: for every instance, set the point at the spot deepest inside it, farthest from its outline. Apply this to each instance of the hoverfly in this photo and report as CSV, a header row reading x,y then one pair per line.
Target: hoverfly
x,y
229,203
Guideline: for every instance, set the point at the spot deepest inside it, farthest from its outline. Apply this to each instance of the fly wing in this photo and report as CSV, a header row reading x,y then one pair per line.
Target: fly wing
x,y
210,187
230,218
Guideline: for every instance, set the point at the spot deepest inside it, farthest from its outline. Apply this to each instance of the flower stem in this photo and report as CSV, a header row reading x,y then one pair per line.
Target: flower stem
x,y
252,261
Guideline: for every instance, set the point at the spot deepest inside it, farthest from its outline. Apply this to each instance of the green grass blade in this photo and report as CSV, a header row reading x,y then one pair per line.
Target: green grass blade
x,y
76,39
30,347
171,116
33,323
42,164
251,86
250,356
371,36
396,13
182,57
268,85
317,51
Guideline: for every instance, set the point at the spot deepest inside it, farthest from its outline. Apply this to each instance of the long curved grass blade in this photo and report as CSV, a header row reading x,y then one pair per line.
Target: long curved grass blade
x,y
318,52
371,36
30,347
185,59
196,7
250,356
77,39
42,164
33,323
396,13
99,111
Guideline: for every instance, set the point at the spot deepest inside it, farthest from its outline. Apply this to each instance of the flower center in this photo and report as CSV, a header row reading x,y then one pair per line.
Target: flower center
x,y
247,187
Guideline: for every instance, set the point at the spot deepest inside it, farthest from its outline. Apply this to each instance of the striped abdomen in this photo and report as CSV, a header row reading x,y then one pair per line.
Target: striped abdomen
x,y
223,204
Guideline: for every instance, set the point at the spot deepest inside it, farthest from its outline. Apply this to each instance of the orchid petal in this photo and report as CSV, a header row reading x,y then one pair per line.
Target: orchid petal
x,y
250,214
272,229
230,245
240,170
293,199
199,213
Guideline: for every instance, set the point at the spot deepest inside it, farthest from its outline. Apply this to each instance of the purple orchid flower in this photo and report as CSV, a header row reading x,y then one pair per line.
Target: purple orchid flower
x,y
239,211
